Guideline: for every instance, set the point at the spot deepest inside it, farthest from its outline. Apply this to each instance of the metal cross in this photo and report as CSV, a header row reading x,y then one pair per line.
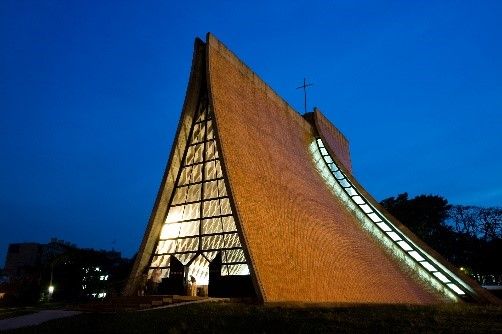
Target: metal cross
x,y
304,86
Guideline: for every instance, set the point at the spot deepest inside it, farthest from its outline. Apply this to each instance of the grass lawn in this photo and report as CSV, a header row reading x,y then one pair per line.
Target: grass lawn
x,y
244,318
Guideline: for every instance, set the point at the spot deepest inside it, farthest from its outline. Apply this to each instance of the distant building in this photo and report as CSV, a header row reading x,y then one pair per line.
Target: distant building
x,y
24,257
76,273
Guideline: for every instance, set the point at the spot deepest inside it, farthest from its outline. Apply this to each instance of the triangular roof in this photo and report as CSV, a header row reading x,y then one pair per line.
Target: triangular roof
x,y
304,237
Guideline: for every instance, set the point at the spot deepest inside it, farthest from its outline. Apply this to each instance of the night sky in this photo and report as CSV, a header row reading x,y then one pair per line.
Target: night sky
x,y
91,93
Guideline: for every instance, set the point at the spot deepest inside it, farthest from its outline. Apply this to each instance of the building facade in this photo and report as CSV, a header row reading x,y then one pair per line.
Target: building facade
x,y
259,200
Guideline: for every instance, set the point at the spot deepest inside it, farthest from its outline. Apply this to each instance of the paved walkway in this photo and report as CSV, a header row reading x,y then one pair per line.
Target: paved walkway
x,y
35,318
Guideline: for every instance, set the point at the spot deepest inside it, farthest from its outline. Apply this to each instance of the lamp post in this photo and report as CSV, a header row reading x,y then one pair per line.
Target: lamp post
x,y
51,287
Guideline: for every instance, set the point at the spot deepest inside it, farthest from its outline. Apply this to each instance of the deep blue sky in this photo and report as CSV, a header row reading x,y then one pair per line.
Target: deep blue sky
x,y
91,93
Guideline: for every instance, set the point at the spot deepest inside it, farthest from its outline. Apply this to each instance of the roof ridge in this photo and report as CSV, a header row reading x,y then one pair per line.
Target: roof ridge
x,y
212,40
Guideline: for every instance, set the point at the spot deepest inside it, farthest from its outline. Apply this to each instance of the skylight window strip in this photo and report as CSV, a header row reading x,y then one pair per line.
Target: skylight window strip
x,y
323,151
344,183
338,175
416,256
441,277
374,217
384,227
358,199
428,266
351,191
366,208
455,288
333,167
404,245
394,236
388,227
328,159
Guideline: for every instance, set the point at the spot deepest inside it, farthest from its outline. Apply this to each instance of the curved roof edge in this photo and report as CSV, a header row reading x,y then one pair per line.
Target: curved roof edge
x,y
159,210
482,295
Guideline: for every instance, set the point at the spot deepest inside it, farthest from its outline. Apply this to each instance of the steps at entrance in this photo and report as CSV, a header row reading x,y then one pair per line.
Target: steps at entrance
x,y
121,304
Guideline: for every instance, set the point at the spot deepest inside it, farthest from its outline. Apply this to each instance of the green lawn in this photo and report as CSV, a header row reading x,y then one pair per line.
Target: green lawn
x,y
242,318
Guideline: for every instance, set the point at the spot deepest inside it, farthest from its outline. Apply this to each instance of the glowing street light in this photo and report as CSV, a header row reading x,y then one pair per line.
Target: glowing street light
x,y
51,289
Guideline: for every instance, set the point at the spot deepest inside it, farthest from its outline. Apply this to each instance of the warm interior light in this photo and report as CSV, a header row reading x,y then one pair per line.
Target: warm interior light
x,y
51,289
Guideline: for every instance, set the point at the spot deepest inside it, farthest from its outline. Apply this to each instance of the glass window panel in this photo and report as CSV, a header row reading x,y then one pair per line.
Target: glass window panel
x,y
198,133
210,189
170,231
394,236
211,150
189,228
366,208
441,277
323,151
210,255
384,226
344,183
225,206
189,244
202,114
319,142
166,247
224,271
212,226
232,240
456,288
191,211
213,170
373,216
199,269
404,245
229,224
216,207
180,195
328,159
238,269
358,200
185,176
351,191
210,131
194,154
339,175
194,192
160,261
196,173
416,256
235,255
212,242
175,214
184,258
428,266
332,167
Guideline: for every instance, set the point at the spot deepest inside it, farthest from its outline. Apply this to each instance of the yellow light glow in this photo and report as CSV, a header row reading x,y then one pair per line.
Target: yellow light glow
x,y
51,289
175,215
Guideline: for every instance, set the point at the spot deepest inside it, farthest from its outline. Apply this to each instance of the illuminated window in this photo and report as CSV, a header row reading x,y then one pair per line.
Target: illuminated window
x,y
200,221
357,202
